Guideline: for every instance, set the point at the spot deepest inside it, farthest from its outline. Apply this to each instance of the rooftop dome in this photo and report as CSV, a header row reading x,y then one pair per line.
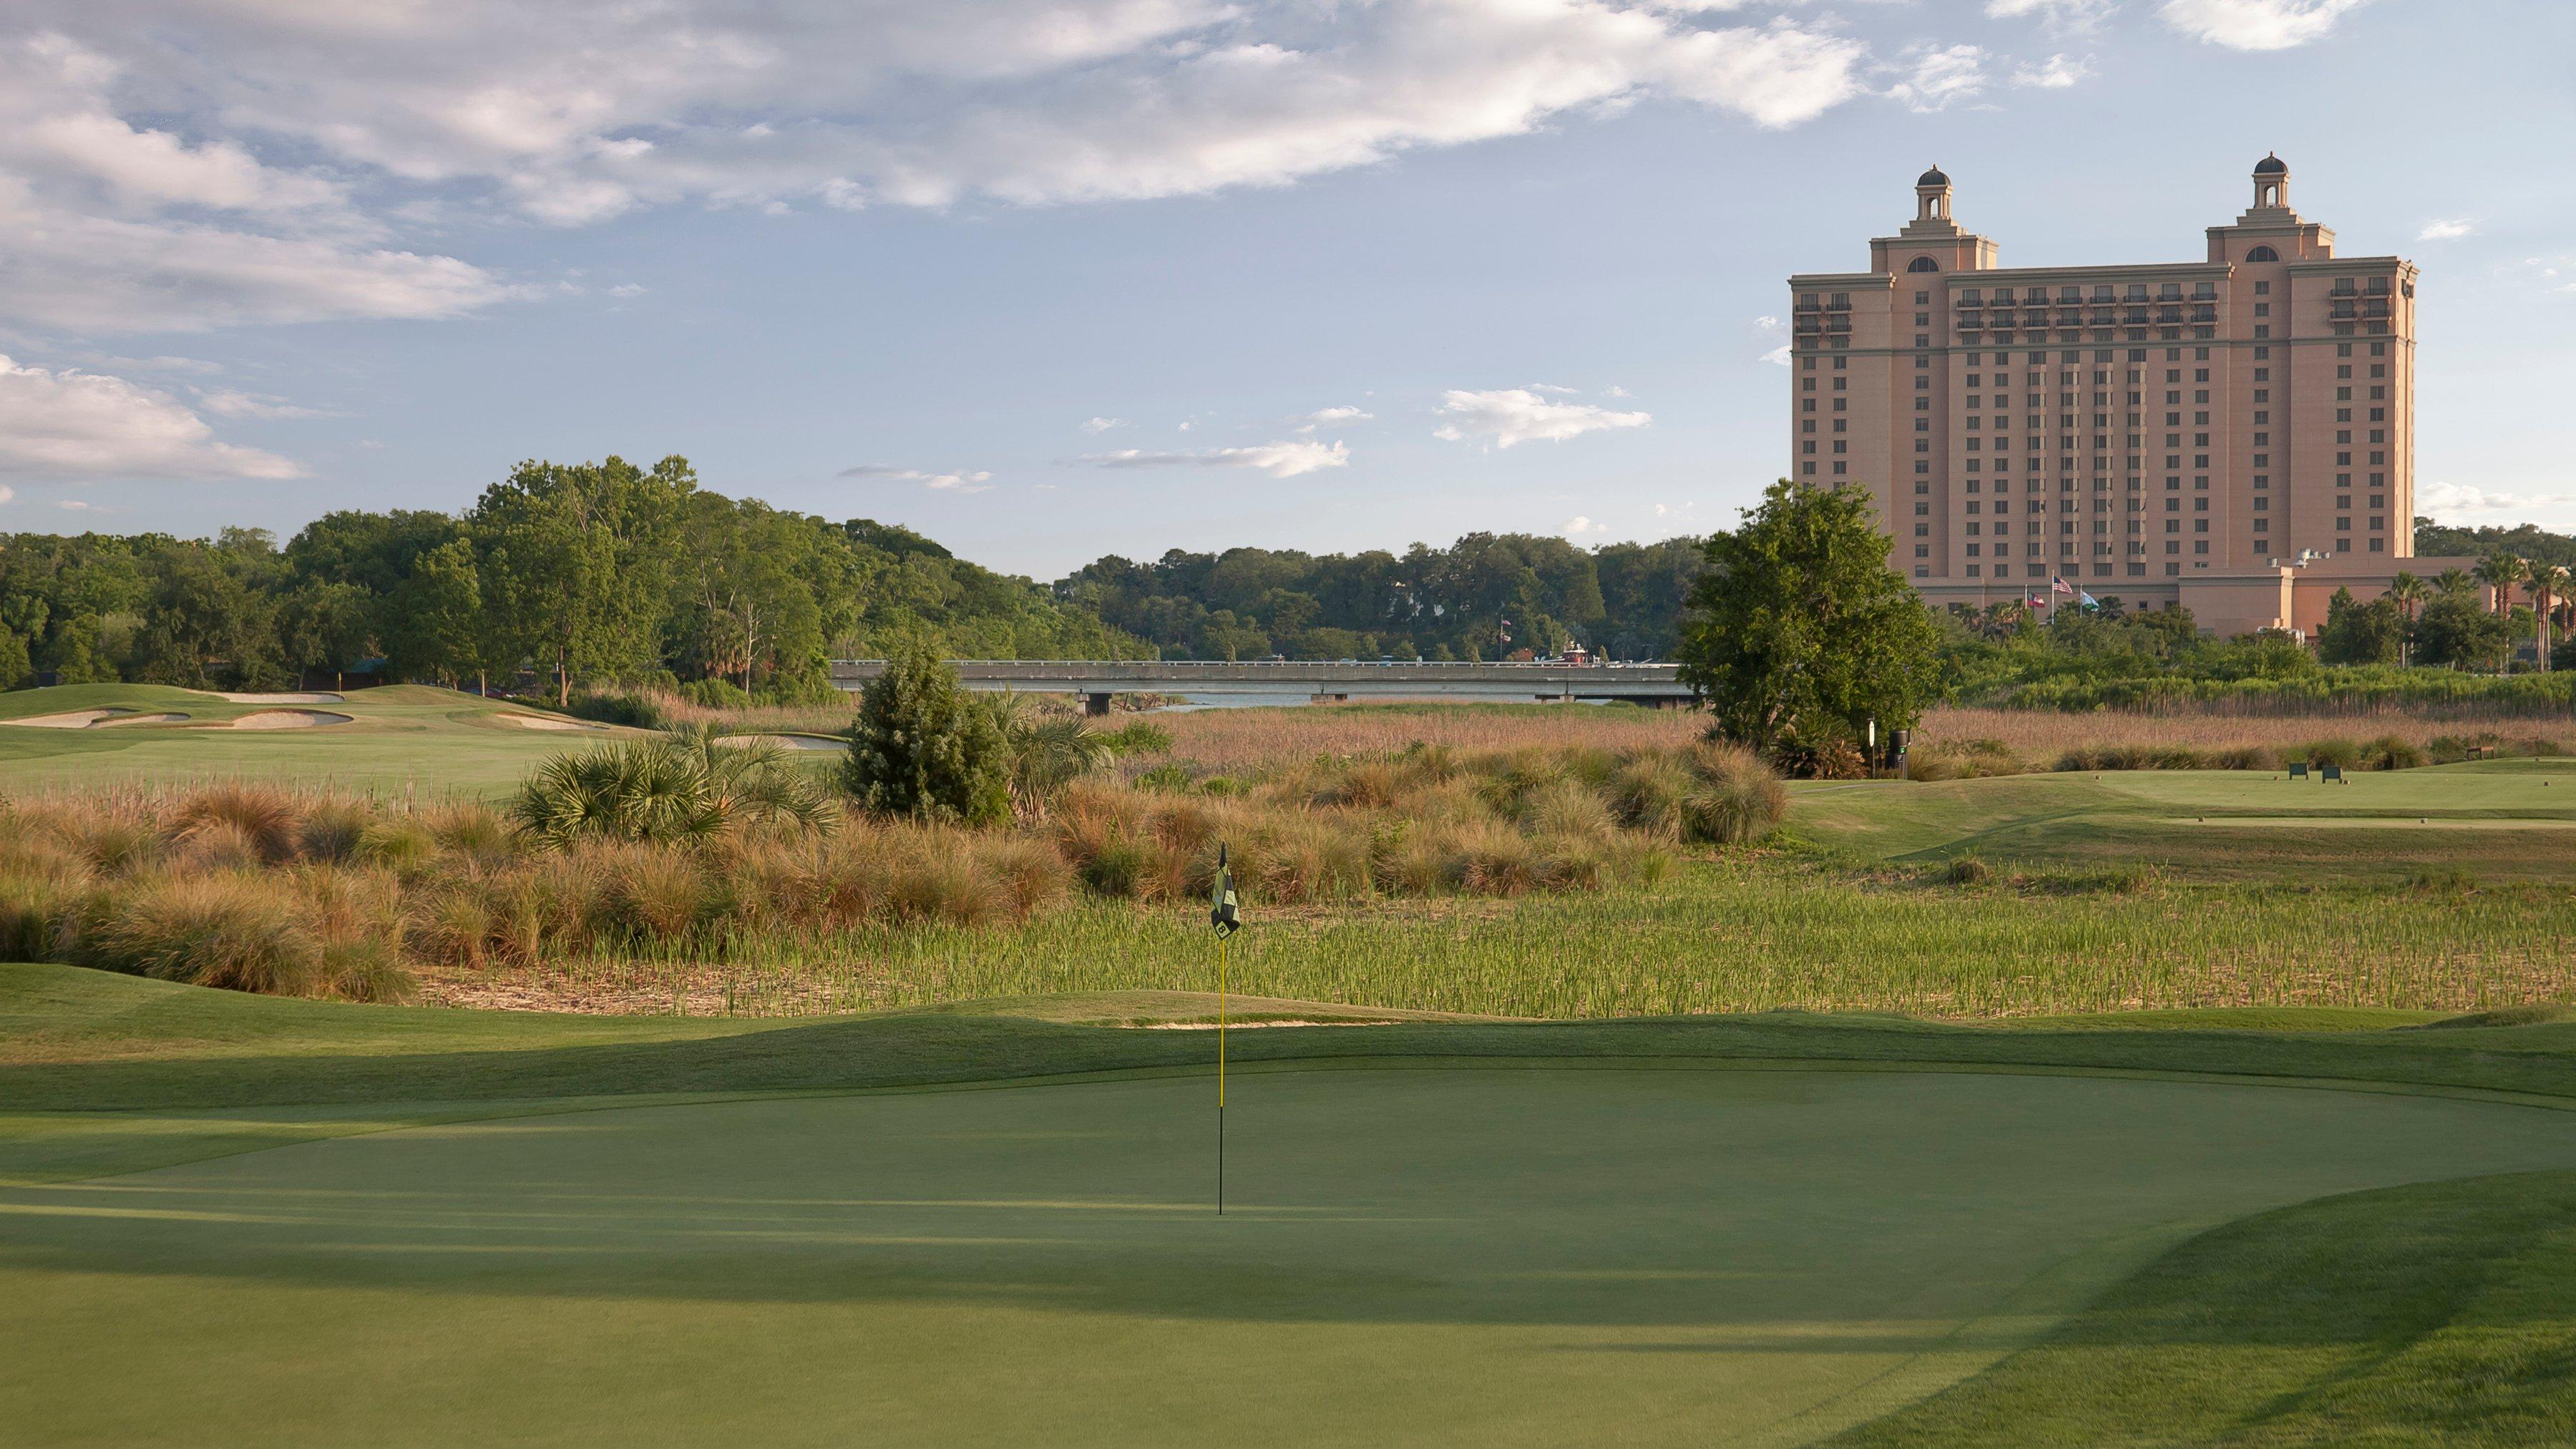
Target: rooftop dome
x,y
1932,177
2272,166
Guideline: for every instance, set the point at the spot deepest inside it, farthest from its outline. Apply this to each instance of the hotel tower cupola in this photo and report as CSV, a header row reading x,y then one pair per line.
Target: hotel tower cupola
x,y
2272,184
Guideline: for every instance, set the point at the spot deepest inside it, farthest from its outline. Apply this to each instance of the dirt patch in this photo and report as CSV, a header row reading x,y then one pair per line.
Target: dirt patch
x,y
127,719
288,719
540,722
1252,1025
319,696
789,742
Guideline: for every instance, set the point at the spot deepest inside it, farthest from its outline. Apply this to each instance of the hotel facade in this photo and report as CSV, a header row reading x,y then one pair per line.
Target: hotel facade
x,y
2235,435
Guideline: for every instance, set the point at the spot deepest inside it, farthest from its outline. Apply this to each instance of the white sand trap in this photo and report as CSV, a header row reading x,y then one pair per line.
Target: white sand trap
x,y
127,719
288,719
791,742
540,722
77,719
315,697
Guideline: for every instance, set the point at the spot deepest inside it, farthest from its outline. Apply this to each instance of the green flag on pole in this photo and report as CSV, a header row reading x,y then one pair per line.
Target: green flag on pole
x,y
1223,913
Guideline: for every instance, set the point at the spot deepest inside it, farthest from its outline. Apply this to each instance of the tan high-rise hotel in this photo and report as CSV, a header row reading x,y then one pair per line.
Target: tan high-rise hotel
x,y
2234,435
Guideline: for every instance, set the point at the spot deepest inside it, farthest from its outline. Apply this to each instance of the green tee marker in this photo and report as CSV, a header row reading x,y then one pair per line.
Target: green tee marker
x,y
1225,918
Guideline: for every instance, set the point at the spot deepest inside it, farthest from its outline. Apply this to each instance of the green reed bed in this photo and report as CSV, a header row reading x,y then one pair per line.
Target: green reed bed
x,y
1725,935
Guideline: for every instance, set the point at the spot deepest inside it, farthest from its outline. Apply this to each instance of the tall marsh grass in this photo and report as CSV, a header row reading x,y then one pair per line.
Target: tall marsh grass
x,y
261,889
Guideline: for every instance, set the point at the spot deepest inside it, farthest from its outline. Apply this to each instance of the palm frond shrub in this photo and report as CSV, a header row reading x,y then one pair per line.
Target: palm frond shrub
x,y
689,785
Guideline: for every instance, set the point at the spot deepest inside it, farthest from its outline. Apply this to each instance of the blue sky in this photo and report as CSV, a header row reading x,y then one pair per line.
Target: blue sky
x,y
1048,279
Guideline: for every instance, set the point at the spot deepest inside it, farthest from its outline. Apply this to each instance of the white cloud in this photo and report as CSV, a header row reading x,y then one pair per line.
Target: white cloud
x,y
1333,417
960,482
1102,425
1518,415
2441,500
225,402
1578,525
1614,390
2447,228
1940,76
104,226
82,426
573,111
7,493
1286,459
1770,327
2058,17
628,289
2256,24
2056,73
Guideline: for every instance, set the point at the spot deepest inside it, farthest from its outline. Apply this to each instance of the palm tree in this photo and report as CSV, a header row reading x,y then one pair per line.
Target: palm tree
x,y
2410,593
2548,585
2500,573
1047,750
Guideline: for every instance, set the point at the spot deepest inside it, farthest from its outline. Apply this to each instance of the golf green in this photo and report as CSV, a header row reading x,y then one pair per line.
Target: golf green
x,y
1495,1255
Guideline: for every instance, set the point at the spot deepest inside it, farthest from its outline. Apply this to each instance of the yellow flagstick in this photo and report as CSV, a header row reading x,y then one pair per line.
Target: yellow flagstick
x,y
1225,919
1220,1076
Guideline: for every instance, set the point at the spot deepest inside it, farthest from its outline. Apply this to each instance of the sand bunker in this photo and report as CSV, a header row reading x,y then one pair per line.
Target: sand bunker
x,y
540,722
127,719
790,742
288,719
78,719
314,697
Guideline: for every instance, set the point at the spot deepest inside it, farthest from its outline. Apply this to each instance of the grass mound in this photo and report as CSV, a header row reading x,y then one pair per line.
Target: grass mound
x,y
2436,1314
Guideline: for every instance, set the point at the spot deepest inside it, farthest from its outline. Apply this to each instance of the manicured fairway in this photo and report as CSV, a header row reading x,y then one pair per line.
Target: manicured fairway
x,y
1440,1254
2500,819
436,742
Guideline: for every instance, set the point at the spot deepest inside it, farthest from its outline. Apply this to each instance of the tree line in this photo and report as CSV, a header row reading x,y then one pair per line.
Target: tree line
x,y
582,573
1487,596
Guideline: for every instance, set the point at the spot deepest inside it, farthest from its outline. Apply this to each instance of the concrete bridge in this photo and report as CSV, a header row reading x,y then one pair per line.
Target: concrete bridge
x,y
1292,681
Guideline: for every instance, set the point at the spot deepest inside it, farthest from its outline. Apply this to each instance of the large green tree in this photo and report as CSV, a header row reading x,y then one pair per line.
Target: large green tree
x,y
576,563
434,620
2357,633
1798,634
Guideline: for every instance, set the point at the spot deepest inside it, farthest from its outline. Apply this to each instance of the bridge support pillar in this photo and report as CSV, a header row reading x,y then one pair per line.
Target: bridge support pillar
x,y
1095,703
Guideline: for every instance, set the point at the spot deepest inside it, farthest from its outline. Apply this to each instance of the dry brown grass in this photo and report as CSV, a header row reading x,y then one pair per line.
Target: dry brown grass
x,y
2045,734
1231,741
265,889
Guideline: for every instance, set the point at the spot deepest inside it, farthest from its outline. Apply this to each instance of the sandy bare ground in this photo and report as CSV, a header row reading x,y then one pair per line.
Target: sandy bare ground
x,y
78,719
540,722
127,719
322,696
1252,1025
791,742
288,719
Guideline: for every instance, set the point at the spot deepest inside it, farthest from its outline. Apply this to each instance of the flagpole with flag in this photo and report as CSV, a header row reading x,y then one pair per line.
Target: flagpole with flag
x,y
1225,918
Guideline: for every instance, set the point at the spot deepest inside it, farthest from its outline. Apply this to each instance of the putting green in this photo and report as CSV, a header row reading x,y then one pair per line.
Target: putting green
x,y
1436,1255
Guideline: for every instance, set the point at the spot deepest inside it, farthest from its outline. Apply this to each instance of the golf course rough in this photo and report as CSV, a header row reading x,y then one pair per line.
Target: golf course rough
x,y
1431,1254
